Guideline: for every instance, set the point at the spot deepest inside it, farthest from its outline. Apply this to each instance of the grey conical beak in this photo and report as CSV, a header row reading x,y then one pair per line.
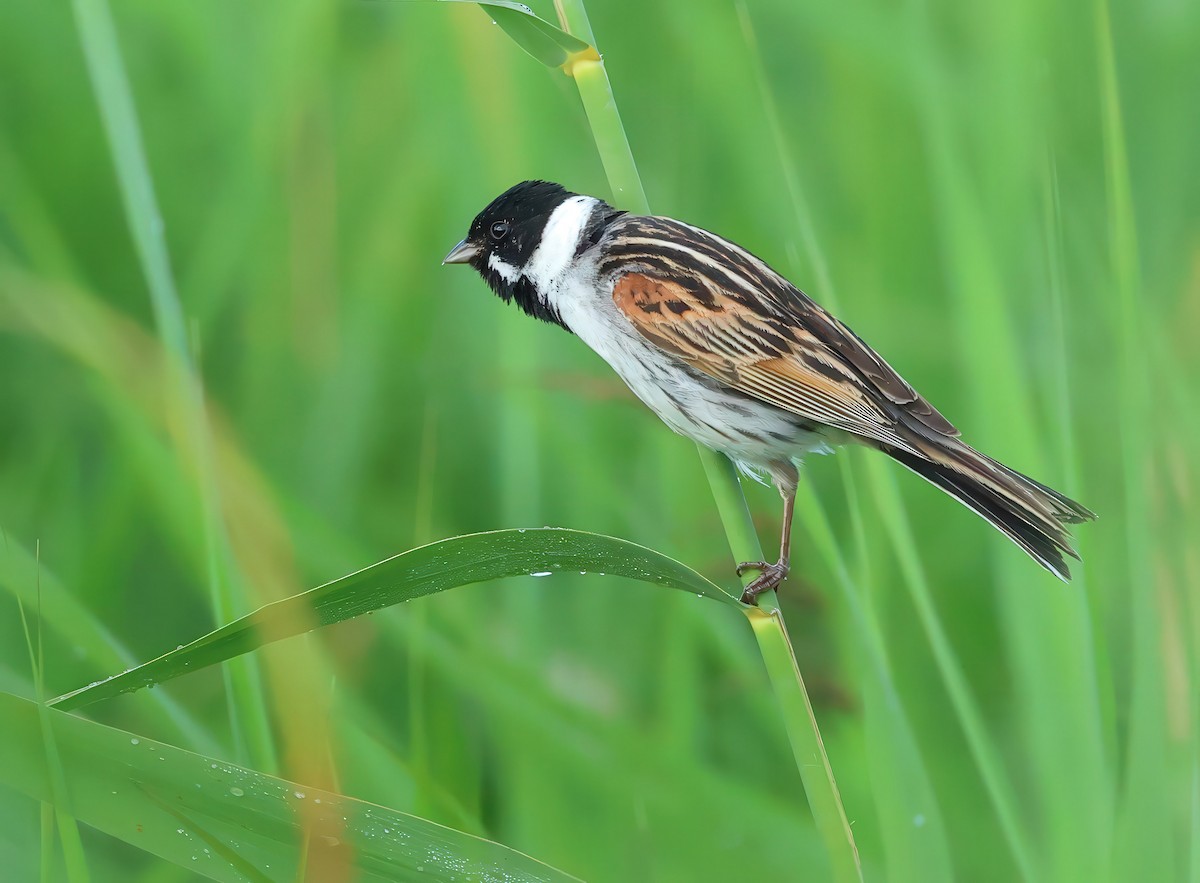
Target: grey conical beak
x,y
461,253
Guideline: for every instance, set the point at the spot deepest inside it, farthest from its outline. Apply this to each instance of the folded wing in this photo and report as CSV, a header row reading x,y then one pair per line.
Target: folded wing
x,y
729,315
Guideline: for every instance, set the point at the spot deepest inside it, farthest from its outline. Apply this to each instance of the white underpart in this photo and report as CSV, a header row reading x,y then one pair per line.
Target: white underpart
x,y
756,435
505,271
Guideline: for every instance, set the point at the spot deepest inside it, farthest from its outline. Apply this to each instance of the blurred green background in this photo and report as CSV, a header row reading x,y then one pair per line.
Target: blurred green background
x,y
1001,198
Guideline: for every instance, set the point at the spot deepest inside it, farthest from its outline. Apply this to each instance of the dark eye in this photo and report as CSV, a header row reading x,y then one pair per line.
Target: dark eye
x,y
500,230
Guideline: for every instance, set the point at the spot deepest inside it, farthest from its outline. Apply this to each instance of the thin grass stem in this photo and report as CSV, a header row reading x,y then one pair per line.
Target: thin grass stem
x,y
595,90
73,855
98,37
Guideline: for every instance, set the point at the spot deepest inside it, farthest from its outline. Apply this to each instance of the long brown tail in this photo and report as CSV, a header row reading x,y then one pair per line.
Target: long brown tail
x,y
1027,512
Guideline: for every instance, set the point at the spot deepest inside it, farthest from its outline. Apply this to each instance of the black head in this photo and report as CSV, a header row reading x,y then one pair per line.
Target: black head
x,y
504,236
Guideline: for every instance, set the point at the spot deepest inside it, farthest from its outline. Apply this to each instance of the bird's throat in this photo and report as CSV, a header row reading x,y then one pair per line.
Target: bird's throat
x,y
510,285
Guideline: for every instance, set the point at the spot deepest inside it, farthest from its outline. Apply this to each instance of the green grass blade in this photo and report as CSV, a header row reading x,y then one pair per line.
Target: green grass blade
x,y
999,199
910,817
106,69
231,823
609,756
551,46
807,746
67,827
446,564
63,614
769,629
47,842
539,38
986,757
98,37
1145,842
1048,642
615,153
732,507
76,863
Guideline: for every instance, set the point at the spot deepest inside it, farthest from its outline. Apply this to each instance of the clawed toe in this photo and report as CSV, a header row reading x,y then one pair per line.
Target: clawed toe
x,y
770,578
753,565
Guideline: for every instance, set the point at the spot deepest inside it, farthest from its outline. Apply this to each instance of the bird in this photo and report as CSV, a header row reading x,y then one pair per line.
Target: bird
x,y
729,353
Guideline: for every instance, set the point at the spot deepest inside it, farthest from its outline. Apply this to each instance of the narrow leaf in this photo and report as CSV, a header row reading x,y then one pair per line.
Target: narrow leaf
x,y
550,45
31,583
448,563
230,823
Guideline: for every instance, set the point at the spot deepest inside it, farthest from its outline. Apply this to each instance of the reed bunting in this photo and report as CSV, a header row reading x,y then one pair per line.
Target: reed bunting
x,y
730,354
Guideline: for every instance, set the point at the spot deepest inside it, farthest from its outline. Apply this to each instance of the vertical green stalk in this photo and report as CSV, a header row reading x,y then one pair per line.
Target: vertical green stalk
x,y
98,37
1049,646
766,619
805,736
900,782
735,514
60,810
1144,842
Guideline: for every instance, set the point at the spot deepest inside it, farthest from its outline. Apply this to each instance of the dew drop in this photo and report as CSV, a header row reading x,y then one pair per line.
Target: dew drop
x,y
541,573
135,741
299,795
236,791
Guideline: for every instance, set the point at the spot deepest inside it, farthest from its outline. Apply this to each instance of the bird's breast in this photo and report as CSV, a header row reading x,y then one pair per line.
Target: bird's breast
x,y
691,403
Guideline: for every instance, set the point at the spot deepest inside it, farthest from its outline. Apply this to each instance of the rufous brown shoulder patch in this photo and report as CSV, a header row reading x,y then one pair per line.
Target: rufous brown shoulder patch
x,y
637,294
722,337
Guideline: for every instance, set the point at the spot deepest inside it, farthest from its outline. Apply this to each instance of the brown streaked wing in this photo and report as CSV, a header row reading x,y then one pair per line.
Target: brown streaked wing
x,y
671,251
724,338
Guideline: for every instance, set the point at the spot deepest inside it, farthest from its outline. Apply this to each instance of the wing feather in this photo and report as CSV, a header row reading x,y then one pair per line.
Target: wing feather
x,y
727,314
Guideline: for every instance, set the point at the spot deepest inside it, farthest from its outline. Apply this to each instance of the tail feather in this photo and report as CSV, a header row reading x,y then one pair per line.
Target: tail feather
x,y
1068,511
1026,511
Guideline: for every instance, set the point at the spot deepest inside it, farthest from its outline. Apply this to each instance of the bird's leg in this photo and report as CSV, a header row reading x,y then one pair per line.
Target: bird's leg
x,y
771,575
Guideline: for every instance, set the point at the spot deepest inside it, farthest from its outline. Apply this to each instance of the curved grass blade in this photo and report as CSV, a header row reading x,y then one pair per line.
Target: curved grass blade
x,y
446,564
550,45
194,444
230,823
30,582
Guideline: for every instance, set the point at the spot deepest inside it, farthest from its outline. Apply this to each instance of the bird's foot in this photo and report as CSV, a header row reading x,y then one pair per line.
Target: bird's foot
x,y
769,577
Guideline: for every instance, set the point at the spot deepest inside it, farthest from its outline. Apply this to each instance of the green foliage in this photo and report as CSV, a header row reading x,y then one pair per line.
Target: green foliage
x,y
551,46
458,561
820,786
1000,198
230,823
